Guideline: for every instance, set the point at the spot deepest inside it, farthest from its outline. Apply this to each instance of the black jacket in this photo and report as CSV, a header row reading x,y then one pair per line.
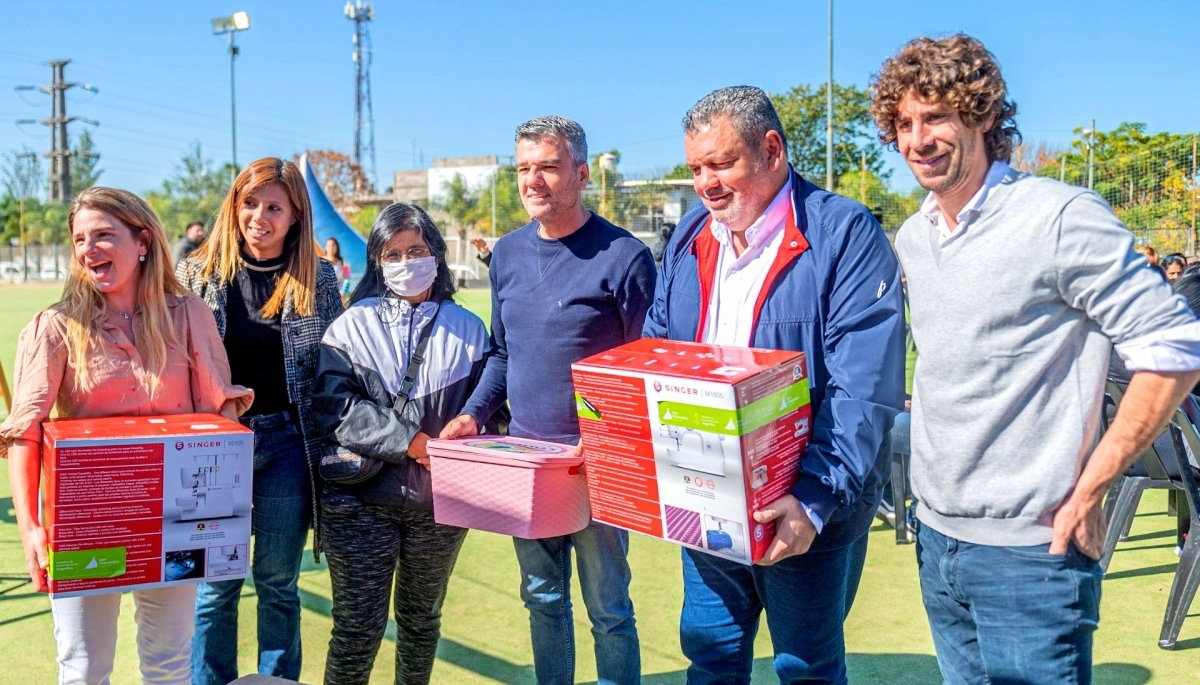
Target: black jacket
x,y
364,357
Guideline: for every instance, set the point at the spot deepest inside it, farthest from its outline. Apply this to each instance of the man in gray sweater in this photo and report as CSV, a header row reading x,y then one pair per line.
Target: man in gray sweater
x,y
1019,286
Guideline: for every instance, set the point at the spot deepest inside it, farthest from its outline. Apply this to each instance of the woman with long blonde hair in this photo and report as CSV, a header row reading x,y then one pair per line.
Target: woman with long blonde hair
x,y
273,297
125,340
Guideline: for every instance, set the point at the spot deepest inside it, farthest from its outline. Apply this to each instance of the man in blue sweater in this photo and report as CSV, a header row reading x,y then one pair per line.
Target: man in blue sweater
x,y
565,286
772,261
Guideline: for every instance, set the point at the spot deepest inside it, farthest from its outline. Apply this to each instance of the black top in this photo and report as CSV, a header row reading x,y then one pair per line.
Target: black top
x,y
253,342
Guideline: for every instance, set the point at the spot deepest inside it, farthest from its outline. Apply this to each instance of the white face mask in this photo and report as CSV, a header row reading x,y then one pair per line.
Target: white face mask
x,y
410,277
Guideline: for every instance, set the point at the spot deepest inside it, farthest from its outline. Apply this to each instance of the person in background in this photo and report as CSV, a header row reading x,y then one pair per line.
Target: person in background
x,y
482,252
126,339
1173,266
333,255
664,238
192,238
1006,469
769,260
1149,253
273,298
565,286
384,527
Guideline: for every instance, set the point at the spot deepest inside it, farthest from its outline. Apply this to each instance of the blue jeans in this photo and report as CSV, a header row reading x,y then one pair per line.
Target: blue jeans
x,y
806,598
1009,614
280,521
600,551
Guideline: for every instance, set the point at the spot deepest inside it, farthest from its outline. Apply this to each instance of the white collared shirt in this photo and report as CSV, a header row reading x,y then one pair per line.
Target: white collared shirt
x,y
930,208
739,279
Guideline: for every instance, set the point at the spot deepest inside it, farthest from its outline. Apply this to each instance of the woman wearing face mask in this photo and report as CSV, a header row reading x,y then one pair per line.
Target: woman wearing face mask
x,y
273,298
125,340
383,527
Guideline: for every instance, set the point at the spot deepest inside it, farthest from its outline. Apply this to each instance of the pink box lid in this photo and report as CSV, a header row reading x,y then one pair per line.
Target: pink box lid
x,y
499,449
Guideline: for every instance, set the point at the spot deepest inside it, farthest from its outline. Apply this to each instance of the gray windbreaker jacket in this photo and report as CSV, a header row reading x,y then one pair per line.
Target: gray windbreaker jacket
x,y
364,357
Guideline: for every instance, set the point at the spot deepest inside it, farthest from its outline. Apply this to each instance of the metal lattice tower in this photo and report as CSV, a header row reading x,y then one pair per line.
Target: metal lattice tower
x,y
364,127
60,149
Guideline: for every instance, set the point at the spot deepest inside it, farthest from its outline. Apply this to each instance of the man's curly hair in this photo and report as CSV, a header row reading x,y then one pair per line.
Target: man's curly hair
x,y
957,70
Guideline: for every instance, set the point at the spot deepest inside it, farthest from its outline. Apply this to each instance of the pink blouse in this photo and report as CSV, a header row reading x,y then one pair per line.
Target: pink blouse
x,y
195,379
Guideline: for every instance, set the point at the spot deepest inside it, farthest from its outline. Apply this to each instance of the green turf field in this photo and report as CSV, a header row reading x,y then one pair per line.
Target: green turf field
x,y
484,632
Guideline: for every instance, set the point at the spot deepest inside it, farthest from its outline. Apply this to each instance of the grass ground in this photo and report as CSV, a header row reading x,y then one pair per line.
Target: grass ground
x,y
484,633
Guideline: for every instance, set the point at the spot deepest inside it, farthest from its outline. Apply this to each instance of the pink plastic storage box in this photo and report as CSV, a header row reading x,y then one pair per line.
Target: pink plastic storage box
x,y
512,486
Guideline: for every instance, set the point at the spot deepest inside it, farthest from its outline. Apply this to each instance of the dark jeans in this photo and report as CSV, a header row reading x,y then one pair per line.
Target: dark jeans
x,y
1015,615
600,555
280,522
367,545
806,598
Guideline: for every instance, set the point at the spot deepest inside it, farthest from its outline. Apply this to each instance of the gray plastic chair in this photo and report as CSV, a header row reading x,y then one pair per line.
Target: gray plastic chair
x,y
1187,576
1170,463
1152,470
901,450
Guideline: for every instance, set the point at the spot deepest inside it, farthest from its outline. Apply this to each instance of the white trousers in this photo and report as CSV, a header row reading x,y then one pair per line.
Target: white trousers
x,y
85,629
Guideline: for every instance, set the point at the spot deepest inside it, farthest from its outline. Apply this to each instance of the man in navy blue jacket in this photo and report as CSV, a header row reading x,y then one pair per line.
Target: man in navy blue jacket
x,y
772,261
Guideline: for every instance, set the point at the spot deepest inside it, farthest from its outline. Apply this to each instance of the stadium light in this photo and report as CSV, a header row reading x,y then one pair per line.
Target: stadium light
x,y
238,21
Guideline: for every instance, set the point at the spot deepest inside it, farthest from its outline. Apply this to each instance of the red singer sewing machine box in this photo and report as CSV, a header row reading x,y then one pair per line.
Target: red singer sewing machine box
x,y
136,502
684,441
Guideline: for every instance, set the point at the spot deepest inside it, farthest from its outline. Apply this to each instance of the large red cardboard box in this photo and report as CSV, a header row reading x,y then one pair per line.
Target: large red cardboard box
x,y
684,441
137,502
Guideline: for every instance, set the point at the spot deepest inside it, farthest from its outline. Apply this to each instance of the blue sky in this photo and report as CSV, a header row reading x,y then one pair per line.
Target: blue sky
x,y
455,78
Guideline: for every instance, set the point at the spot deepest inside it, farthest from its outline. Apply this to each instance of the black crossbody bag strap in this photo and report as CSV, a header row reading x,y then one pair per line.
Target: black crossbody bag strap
x,y
414,364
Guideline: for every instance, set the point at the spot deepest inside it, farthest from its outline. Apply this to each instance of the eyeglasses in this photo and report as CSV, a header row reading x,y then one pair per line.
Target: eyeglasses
x,y
394,256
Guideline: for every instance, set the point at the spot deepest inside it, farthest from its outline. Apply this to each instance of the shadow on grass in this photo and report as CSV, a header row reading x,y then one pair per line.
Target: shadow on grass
x,y
1139,572
910,669
18,619
1190,643
1166,533
889,669
1120,674
7,513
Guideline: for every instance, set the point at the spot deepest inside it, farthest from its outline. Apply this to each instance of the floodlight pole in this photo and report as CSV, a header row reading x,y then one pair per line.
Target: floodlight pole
x,y
829,110
233,108
1091,158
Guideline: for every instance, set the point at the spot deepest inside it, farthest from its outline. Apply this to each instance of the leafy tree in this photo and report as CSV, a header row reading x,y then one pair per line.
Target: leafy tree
x,y
46,224
84,161
461,203
364,219
510,213
23,178
192,193
340,177
802,113
23,173
890,207
1147,179
679,171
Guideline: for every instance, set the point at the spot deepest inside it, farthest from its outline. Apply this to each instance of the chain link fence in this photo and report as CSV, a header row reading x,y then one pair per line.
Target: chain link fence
x,y
1154,192
33,263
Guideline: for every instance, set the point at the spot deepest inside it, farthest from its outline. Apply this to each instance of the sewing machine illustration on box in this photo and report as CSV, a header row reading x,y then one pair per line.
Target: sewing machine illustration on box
x,y
211,493
695,450
227,560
